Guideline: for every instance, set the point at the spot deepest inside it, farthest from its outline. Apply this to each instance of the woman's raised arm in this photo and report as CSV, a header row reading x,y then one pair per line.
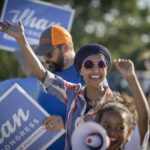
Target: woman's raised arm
x,y
17,32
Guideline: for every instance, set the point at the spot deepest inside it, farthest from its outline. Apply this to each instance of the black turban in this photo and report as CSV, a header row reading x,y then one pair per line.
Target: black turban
x,y
88,50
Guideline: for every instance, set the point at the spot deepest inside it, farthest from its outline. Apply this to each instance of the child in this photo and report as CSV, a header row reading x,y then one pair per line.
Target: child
x,y
118,117
119,120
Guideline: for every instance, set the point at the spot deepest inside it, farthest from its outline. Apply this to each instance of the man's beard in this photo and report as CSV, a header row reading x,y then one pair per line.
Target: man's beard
x,y
58,65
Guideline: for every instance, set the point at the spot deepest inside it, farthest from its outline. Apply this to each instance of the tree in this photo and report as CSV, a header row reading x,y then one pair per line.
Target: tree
x,y
120,25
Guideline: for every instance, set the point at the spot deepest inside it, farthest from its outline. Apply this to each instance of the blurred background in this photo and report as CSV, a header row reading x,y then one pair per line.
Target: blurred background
x,y
123,26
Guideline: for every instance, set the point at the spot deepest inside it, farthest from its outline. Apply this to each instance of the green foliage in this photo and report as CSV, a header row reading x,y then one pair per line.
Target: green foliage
x,y
120,25
9,67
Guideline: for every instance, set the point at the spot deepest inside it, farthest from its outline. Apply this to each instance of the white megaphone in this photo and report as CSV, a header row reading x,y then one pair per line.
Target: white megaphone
x,y
90,136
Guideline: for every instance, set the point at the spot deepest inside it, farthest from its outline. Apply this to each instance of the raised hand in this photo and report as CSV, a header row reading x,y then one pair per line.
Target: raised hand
x,y
125,67
12,30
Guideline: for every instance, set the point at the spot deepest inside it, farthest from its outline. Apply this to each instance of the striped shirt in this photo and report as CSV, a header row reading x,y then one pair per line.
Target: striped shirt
x,y
74,97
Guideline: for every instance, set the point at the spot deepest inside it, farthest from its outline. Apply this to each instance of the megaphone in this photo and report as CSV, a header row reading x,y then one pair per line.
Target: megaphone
x,y
90,136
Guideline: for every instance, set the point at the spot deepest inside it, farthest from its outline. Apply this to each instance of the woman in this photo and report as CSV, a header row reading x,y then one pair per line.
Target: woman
x,y
91,62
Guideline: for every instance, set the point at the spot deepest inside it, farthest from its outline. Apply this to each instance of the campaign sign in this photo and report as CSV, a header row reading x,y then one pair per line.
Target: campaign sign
x,y
35,16
20,122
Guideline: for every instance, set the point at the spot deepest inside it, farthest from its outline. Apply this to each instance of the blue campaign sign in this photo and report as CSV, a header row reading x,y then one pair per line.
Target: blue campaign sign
x,y
35,16
20,122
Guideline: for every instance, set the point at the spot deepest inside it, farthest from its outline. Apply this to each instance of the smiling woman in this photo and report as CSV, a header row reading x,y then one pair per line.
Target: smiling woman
x,y
74,95
94,70
91,62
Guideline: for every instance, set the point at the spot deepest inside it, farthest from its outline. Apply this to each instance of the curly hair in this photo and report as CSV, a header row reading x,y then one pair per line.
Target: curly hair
x,y
119,103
